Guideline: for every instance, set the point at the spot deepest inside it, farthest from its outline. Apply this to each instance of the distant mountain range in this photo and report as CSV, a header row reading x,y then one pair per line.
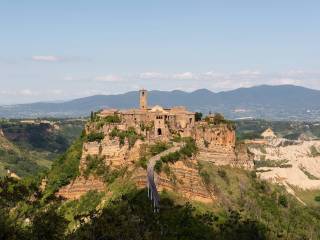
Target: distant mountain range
x,y
269,102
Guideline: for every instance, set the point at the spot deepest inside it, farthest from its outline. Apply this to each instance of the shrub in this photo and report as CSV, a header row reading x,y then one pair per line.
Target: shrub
x,y
198,116
130,134
308,174
223,174
112,119
317,198
283,201
171,157
272,163
95,137
143,162
205,176
314,151
158,147
94,165
158,166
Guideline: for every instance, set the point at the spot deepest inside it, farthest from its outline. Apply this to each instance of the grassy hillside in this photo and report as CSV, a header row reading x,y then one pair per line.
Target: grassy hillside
x,y
27,149
245,208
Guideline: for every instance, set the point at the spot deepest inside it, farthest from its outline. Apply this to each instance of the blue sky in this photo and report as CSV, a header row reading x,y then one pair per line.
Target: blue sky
x,y
54,50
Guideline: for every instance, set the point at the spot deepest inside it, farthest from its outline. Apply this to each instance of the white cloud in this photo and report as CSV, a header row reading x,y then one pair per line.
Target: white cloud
x,y
281,81
26,92
68,78
152,75
249,72
46,58
56,92
184,76
108,78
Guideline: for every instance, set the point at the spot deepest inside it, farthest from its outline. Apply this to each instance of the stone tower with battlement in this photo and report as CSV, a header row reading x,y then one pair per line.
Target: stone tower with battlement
x,y
143,99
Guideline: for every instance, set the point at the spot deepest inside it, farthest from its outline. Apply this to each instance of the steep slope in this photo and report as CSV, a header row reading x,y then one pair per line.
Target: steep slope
x,y
27,148
102,181
18,160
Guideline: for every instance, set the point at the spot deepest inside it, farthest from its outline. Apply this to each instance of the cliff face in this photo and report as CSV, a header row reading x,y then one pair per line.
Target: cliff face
x,y
216,144
184,178
79,187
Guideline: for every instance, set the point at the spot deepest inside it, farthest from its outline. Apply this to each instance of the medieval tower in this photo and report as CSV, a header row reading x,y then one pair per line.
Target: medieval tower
x,y
143,99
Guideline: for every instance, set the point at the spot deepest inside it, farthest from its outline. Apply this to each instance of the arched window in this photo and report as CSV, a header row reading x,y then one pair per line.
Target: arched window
x,y
159,131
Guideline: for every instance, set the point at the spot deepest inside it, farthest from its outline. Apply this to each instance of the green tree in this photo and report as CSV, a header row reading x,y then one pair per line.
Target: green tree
x,y
49,225
198,116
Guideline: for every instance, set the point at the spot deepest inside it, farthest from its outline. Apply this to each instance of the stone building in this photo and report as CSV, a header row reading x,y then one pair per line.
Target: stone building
x,y
162,121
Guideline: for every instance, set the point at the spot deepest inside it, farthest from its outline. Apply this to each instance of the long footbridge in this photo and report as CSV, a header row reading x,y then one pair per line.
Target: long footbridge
x,y
152,187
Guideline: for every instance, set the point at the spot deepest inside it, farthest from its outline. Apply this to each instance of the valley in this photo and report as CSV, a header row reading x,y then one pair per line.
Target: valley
x,y
245,179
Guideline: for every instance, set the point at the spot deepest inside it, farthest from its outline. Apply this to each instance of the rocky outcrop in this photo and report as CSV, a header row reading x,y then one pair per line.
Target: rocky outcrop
x,y
216,144
116,155
215,135
244,158
184,179
79,187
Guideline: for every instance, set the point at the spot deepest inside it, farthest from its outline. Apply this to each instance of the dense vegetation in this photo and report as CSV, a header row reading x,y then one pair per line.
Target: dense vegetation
x,y
281,214
188,150
65,168
244,207
28,148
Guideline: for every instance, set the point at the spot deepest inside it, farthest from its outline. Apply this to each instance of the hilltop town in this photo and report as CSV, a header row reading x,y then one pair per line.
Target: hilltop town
x,y
160,165
121,139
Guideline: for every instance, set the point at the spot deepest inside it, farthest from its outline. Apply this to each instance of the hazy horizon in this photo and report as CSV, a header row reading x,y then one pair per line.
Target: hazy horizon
x,y
150,90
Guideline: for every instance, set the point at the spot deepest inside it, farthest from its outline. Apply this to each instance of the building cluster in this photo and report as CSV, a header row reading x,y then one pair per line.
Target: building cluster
x,y
162,122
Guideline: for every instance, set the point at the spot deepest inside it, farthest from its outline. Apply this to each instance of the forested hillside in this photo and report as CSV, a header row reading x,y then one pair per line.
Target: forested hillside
x,y
27,148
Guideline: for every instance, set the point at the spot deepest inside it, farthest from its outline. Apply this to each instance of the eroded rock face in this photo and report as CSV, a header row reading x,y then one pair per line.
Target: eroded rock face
x,y
182,179
295,163
186,181
217,144
244,158
79,187
215,135
116,155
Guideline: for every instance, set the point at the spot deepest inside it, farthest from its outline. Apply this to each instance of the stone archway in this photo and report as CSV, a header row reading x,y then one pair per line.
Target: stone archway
x,y
159,131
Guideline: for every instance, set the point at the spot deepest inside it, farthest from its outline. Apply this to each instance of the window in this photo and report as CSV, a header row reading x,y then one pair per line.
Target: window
x,y
159,131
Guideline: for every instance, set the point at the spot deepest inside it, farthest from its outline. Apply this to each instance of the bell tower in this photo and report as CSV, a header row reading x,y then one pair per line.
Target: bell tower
x,y
143,99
